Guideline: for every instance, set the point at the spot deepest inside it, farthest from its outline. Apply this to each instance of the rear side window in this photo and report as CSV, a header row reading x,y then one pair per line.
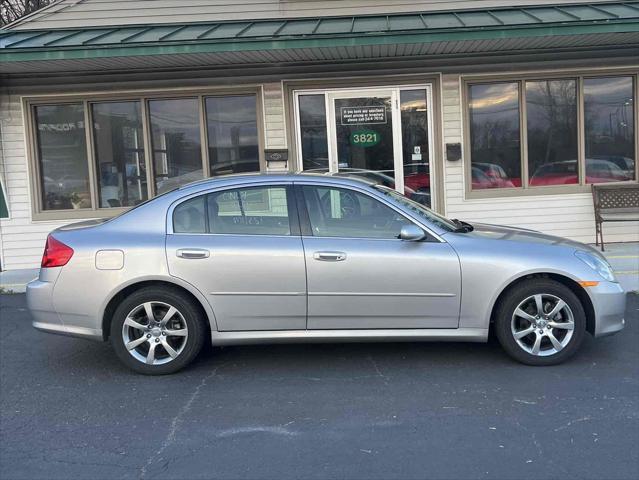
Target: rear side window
x,y
242,211
190,216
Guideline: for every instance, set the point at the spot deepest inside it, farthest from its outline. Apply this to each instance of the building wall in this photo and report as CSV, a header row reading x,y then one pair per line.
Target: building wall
x,y
90,13
570,215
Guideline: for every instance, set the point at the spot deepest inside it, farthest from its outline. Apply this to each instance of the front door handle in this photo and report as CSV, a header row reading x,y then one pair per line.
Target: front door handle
x,y
192,253
329,256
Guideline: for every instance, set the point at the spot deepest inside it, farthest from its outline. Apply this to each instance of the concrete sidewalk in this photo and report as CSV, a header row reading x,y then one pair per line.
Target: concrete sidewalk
x,y
624,258
15,281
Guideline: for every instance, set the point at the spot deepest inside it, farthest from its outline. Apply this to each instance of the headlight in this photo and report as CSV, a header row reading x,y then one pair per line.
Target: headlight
x,y
597,264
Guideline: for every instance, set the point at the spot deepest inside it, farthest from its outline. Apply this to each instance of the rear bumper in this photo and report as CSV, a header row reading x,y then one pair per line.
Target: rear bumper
x,y
609,302
46,318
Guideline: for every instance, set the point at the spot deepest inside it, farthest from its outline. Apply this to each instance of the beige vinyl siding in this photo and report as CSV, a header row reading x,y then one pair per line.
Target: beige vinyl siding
x,y
274,121
566,215
94,13
22,239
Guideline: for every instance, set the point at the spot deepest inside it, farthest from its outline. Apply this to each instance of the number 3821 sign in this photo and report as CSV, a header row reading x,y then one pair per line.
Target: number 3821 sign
x,y
365,138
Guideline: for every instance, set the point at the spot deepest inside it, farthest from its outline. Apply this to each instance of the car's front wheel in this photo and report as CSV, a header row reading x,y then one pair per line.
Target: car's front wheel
x,y
157,330
540,322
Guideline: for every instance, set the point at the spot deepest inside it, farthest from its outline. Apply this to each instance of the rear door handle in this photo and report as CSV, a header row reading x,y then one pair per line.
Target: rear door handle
x,y
192,253
329,256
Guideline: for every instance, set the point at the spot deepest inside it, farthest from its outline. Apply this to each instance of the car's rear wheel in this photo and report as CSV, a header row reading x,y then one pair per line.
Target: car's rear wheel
x,y
540,322
157,330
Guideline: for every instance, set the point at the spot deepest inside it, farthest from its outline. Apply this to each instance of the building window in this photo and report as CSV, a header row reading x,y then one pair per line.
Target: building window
x,y
609,129
313,133
495,135
62,157
551,120
136,148
119,154
175,138
231,123
555,146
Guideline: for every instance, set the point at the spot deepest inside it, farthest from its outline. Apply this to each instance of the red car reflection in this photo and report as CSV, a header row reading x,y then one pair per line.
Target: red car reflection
x,y
566,173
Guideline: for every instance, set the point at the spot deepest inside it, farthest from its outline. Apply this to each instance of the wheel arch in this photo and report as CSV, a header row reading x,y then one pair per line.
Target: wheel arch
x,y
577,289
126,290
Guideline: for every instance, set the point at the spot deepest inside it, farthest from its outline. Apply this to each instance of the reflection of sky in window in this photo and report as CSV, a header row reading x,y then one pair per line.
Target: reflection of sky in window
x,y
609,100
497,99
176,116
226,114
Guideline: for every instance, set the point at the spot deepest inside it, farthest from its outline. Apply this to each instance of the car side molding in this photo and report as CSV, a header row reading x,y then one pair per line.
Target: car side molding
x,y
346,336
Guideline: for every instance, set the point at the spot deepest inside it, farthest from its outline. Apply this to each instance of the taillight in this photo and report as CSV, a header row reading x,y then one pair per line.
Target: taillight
x,y
56,253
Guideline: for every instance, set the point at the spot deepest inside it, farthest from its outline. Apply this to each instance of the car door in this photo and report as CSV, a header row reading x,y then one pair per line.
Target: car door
x,y
242,249
360,275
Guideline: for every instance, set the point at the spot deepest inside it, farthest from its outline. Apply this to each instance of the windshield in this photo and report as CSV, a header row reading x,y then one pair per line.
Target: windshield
x,y
422,211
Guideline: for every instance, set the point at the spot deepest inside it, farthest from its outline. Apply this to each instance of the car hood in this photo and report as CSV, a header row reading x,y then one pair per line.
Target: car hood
x,y
523,235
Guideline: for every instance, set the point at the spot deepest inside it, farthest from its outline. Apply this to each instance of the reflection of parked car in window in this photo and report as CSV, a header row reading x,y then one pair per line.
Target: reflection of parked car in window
x,y
624,163
566,172
497,175
480,180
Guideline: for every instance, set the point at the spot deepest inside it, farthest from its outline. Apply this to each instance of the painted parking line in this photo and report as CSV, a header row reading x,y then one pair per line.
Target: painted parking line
x,y
622,256
626,272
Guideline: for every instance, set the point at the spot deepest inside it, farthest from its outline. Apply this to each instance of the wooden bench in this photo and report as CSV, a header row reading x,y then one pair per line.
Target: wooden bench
x,y
614,203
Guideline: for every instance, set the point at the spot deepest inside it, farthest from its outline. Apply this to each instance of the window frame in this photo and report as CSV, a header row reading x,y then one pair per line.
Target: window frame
x,y
526,190
88,100
291,205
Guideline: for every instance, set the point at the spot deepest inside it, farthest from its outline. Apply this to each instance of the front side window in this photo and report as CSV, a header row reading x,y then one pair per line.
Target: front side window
x,y
337,212
494,135
242,211
175,137
551,109
119,154
609,129
62,156
232,134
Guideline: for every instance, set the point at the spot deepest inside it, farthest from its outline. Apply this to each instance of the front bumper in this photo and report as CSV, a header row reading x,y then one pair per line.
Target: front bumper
x,y
609,302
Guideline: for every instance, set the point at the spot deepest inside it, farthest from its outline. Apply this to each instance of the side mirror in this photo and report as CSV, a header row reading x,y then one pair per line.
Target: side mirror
x,y
411,233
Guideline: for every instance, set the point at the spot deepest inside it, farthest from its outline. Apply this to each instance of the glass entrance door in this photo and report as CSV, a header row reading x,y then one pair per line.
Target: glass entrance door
x,y
381,134
362,137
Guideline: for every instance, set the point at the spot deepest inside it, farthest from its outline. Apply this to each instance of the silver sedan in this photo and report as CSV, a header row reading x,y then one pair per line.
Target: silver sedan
x,y
310,258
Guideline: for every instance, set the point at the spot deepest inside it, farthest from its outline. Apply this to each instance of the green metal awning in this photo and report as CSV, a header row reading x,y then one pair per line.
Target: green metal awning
x,y
235,37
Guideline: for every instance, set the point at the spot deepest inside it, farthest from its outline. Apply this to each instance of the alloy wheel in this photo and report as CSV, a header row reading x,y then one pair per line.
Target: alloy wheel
x,y
155,333
542,324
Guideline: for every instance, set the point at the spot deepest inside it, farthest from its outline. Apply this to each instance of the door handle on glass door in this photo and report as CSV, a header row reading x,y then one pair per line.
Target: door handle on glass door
x,y
192,253
329,256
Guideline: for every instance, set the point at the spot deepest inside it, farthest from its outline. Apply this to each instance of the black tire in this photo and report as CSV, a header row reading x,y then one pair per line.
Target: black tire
x,y
518,294
189,314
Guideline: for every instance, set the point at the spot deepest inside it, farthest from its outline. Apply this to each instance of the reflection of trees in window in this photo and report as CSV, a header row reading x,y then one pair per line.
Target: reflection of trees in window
x,y
232,134
609,128
551,108
494,134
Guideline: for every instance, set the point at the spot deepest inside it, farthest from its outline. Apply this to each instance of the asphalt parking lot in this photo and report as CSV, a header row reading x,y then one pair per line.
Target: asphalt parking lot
x,y
366,411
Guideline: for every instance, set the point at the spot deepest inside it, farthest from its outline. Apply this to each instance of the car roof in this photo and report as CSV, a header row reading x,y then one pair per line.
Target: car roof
x,y
249,178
